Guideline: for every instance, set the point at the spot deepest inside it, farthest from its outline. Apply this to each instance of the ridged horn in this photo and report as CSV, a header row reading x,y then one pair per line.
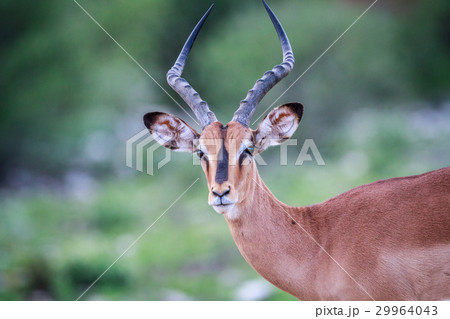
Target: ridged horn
x,y
182,87
247,106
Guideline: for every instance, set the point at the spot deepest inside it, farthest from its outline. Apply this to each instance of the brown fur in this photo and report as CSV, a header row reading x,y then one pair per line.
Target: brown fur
x,y
391,236
388,240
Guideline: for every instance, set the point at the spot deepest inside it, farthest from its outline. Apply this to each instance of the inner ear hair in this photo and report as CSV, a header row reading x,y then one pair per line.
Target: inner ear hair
x,y
171,131
151,118
284,120
296,108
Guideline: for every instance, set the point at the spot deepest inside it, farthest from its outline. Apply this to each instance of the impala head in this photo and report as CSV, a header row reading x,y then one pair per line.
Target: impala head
x,y
226,151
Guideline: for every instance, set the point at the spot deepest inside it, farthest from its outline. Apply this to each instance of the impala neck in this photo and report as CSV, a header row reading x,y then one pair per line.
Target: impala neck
x,y
261,225
259,200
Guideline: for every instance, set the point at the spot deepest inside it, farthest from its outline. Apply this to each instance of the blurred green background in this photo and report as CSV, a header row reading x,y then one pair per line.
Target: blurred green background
x,y
377,105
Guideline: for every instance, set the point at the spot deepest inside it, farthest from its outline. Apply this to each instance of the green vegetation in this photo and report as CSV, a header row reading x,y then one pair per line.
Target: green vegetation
x,y
377,105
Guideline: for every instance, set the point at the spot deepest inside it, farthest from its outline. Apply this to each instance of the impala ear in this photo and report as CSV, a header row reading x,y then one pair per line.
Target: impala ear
x,y
278,126
171,131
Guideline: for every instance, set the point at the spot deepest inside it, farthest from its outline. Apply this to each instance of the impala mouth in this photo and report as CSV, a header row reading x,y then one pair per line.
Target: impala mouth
x,y
223,208
222,204
221,201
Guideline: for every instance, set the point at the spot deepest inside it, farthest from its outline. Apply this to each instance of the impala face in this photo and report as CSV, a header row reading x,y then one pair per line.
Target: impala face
x,y
226,151
225,154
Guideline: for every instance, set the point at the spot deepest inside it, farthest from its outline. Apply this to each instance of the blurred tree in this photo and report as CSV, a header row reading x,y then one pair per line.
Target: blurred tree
x,y
424,42
62,80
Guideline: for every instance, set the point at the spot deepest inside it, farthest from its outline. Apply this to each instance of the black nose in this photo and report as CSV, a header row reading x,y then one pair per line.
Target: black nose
x,y
223,193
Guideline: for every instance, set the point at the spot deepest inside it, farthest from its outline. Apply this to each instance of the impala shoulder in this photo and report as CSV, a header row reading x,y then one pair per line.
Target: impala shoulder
x,y
436,178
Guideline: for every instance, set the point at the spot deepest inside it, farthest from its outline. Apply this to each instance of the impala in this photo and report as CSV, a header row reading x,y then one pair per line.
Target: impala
x,y
388,240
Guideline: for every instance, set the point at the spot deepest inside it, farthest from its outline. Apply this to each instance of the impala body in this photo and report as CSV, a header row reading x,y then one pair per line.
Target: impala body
x,y
388,240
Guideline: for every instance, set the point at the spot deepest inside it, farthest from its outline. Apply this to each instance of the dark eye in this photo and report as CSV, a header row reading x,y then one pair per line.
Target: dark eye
x,y
249,150
200,154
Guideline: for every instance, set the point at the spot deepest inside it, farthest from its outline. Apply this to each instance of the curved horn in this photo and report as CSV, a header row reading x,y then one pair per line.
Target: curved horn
x,y
182,87
244,114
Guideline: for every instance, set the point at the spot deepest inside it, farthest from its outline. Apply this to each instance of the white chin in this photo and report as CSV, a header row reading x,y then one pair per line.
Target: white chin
x,y
223,209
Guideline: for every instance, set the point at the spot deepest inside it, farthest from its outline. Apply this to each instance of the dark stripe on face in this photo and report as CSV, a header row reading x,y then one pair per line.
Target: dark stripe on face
x,y
222,161
207,165
242,158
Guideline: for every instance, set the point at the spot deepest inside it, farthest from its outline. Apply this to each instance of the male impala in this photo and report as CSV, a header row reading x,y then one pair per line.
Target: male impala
x,y
386,240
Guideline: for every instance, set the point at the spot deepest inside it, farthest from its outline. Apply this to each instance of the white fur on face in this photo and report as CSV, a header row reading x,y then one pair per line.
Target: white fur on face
x,y
231,211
